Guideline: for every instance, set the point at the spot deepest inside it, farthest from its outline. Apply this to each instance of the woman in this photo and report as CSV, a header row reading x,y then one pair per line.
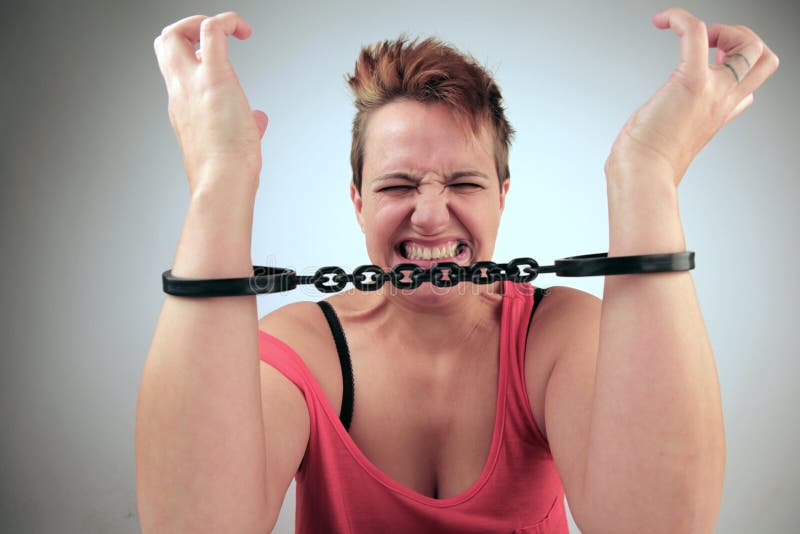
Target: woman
x,y
474,408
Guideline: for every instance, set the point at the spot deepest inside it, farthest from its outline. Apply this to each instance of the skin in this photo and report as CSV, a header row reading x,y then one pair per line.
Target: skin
x,y
634,414
625,390
429,181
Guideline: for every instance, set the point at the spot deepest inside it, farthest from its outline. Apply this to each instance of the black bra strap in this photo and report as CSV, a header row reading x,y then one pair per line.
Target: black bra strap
x,y
538,293
348,382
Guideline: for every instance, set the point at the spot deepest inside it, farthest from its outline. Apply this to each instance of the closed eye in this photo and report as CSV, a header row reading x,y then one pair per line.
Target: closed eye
x,y
461,186
466,186
396,188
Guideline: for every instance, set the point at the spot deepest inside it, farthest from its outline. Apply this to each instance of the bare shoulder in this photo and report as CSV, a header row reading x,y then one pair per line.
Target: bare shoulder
x,y
302,326
286,418
563,313
564,308
566,325
292,320
565,338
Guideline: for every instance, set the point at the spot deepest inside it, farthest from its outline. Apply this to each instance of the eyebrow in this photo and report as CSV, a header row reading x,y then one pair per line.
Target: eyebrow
x,y
412,178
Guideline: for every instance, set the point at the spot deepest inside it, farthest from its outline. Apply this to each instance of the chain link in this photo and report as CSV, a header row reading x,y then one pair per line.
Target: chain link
x,y
332,279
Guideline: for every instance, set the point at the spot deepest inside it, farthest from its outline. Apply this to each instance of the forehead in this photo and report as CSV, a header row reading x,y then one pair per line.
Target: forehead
x,y
419,137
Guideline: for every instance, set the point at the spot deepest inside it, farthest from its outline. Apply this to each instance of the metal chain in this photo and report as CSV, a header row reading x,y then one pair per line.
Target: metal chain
x,y
333,279
409,275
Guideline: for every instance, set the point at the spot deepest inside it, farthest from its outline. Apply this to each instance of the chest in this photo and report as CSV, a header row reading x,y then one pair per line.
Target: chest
x,y
430,433
426,421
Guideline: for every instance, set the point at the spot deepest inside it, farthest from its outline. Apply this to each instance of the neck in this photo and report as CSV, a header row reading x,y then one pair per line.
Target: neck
x,y
441,325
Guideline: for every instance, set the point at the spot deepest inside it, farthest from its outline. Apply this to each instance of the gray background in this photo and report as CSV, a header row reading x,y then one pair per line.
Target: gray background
x,y
94,195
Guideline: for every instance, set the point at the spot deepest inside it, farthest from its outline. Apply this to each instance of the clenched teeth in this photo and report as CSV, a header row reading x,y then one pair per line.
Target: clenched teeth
x,y
413,251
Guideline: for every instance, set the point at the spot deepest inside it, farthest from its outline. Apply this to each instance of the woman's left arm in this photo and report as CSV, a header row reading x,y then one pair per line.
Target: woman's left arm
x,y
653,459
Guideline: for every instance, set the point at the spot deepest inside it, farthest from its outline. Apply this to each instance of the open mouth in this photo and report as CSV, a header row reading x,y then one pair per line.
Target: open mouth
x,y
455,251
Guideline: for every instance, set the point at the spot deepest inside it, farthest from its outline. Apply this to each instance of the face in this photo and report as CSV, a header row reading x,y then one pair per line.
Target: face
x,y
429,191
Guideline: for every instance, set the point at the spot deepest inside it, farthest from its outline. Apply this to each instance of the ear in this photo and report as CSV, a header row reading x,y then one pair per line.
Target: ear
x,y
355,196
503,193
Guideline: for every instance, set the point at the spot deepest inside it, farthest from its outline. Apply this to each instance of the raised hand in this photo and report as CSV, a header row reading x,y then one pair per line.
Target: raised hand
x,y
218,132
697,100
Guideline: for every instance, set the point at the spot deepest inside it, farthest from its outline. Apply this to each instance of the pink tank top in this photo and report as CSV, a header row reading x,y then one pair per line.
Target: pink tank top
x,y
340,491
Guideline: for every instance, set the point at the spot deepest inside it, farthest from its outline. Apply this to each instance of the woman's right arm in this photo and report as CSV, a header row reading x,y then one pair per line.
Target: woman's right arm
x,y
201,462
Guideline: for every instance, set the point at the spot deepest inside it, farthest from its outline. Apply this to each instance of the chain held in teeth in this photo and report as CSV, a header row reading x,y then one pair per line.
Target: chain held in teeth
x,y
410,275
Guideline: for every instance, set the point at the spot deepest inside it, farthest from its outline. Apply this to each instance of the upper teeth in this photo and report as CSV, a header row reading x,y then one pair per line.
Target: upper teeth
x,y
416,252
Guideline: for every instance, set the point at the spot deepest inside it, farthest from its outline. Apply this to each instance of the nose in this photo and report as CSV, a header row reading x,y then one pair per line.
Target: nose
x,y
431,210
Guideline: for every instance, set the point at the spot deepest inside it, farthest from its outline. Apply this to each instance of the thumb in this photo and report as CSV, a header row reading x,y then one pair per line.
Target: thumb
x,y
261,121
741,106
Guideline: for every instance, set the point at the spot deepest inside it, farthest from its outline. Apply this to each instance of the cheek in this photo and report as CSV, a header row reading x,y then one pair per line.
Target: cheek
x,y
480,210
387,213
381,219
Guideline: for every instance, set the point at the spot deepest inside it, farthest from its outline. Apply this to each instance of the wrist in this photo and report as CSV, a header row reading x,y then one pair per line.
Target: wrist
x,y
215,240
628,170
225,181
643,213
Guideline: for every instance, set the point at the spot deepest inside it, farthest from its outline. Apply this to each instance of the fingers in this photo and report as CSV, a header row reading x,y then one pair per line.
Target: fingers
x,y
743,61
175,47
743,56
743,105
765,67
738,48
214,34
692,33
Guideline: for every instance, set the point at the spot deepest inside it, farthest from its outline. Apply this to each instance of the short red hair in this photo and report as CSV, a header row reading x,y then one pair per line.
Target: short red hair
x,y
427,71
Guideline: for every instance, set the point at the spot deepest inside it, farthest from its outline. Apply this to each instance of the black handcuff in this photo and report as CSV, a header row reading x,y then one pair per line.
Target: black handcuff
x,y
410,276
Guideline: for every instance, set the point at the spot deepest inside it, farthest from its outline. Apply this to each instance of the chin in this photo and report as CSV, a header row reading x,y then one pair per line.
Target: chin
x,y
430,295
